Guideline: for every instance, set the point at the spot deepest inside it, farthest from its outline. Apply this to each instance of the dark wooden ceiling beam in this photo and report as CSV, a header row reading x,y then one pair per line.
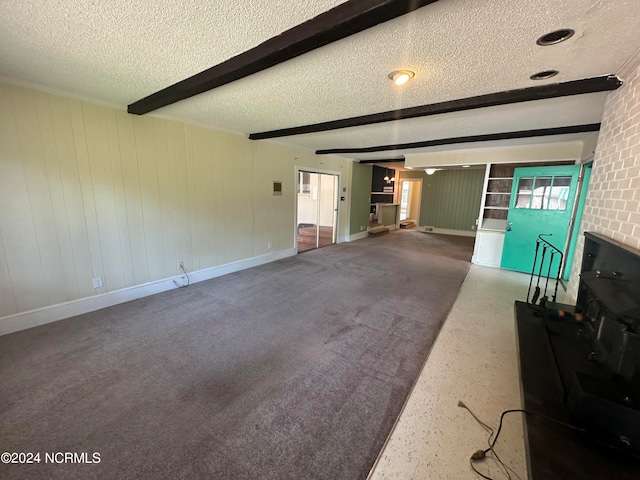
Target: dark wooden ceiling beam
x,y
564,89
543,132
383,160
340,22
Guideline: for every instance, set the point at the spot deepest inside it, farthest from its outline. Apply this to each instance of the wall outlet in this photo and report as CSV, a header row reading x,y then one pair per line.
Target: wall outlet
x,y
97,282
180,265
269,245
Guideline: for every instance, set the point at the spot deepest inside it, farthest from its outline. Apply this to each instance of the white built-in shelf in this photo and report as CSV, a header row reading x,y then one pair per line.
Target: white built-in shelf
x,y
494,225
497,191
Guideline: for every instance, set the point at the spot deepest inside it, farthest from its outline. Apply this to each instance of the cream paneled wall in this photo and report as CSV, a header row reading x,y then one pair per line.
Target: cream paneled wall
x,y
88,191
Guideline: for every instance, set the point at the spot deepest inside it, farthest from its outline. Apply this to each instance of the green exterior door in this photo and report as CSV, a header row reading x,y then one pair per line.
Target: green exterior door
x,y
541,202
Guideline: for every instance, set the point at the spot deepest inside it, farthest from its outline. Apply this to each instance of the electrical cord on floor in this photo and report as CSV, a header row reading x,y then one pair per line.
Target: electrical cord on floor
x,y
482,454
185,274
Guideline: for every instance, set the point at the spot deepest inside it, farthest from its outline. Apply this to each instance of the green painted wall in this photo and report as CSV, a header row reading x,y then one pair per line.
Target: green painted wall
x,y
450,198
360,197
388,216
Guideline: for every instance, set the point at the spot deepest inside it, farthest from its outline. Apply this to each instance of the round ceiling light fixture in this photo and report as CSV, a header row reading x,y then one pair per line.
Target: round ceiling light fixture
x,y
556,36
544,75
400,77
431,171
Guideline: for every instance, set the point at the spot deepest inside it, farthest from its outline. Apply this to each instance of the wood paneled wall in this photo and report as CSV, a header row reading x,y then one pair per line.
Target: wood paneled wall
x,y
88,191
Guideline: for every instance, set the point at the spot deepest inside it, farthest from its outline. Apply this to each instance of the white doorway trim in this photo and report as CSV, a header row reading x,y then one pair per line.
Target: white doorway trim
x,y
415,181
302,168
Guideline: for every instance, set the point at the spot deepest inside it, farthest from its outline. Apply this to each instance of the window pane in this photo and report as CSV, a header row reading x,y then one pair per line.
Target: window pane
x,y
559,193
304,183
541,191
523,199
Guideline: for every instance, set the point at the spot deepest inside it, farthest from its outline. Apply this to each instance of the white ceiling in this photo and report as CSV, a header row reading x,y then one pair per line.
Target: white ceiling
x,y
573,110
118,51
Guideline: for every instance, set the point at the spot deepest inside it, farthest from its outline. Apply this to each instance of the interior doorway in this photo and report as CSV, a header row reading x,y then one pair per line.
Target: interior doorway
x,y
317,210
410,197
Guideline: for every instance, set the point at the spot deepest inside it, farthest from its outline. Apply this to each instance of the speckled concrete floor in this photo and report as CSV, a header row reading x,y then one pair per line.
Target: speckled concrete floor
x,y
474,360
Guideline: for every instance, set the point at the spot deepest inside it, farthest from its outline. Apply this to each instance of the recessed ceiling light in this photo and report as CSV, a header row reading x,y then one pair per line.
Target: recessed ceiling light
x,y
556,36
466,166
544,75
400,77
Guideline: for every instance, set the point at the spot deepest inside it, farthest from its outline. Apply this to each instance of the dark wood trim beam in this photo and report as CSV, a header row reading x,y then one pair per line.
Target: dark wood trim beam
x,y
575,87
340,22
383,160
543,132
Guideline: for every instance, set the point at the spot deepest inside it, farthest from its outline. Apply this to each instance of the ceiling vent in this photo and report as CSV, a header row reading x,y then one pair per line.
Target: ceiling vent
x,y
544,75
556,36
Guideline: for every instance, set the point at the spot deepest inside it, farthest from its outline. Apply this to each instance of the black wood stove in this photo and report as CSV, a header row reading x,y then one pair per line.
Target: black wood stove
x,y
580,365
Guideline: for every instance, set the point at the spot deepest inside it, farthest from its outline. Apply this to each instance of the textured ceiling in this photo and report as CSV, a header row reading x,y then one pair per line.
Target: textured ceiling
x,y
119,51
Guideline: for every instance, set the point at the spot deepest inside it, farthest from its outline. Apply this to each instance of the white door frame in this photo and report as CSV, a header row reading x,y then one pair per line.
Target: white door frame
x,y
399,196
302,168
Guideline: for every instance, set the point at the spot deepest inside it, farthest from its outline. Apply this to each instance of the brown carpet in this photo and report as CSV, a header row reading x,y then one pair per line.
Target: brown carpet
x,y
292,370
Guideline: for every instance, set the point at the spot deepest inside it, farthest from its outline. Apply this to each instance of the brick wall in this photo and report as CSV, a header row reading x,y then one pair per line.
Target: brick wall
x,y
613,200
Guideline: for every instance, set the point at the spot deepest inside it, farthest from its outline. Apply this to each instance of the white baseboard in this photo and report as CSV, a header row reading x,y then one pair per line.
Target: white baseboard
x,y
484,264
358,236
53,313
447,231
